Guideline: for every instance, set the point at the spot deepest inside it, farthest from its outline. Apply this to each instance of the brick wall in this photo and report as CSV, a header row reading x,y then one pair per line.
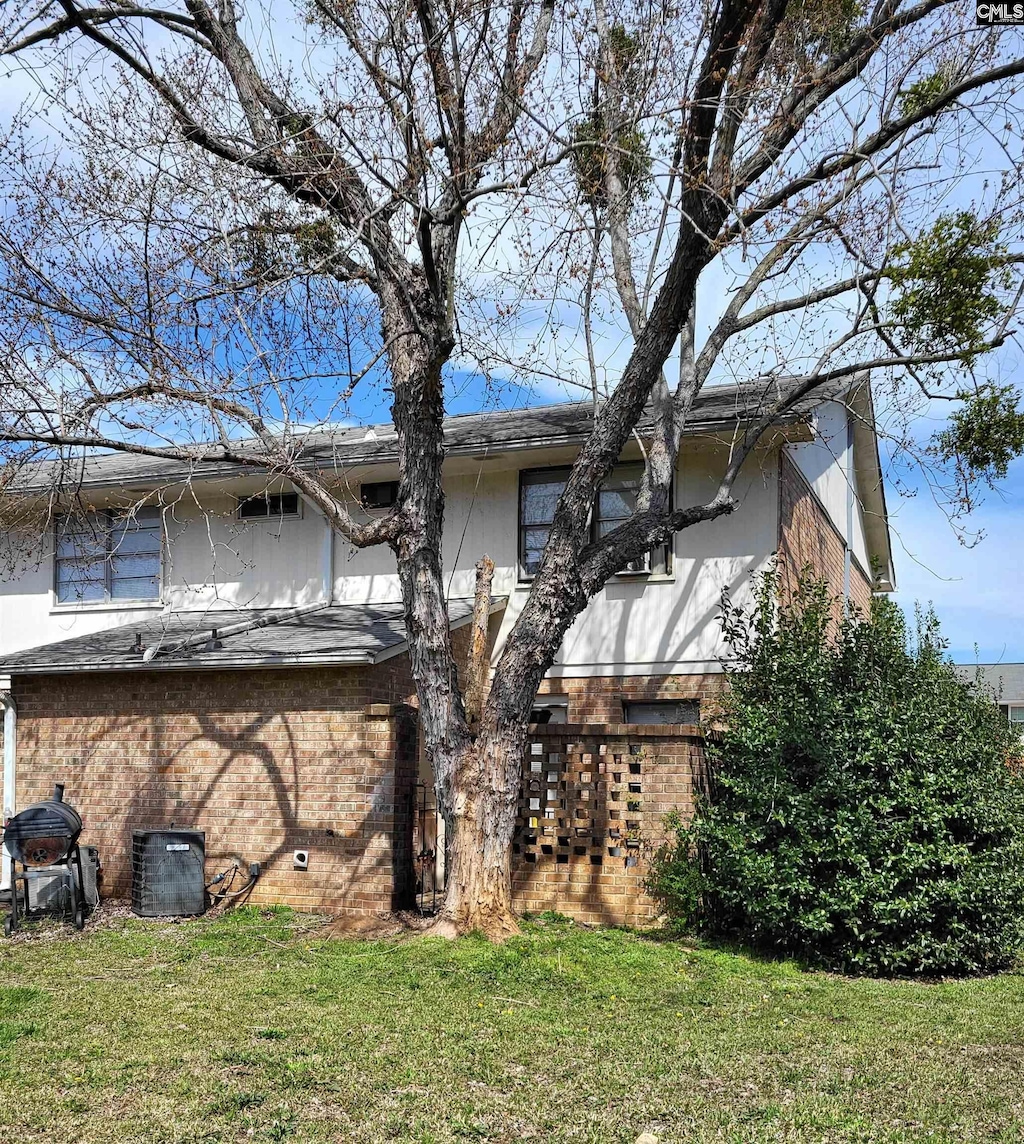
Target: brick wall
x,y
591,817
807,537
600,699
266,762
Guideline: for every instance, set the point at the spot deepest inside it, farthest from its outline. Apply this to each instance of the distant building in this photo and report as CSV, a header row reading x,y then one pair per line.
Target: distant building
x,y
1005,681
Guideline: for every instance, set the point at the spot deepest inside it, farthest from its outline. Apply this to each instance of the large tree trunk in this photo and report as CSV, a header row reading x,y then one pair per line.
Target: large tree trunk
x,y
485,795
486,785
475,778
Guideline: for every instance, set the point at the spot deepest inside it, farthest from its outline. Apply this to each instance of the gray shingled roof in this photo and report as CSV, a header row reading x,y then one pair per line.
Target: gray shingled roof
x,y
719,407
1005,680
267,637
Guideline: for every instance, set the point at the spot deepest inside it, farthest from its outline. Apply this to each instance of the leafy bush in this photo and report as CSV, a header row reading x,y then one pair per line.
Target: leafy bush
x,y
862,812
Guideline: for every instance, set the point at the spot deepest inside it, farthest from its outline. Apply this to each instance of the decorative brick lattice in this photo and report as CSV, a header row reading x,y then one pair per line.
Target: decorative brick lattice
x,y
581,804
591,814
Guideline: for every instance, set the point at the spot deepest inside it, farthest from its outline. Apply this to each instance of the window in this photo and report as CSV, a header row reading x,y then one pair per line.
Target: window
x,y
663,711
550,709
539,490
1016,716
268,505
378,494
108,555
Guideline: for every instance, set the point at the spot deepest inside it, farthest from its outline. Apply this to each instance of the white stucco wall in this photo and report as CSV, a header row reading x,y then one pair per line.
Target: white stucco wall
x,y
642,626
827,463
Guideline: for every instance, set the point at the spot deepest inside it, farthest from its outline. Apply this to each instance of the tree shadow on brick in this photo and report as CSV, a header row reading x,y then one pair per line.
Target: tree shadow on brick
x,y
307,772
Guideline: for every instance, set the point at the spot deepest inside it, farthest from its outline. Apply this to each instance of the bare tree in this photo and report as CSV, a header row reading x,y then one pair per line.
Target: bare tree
x,y
224,220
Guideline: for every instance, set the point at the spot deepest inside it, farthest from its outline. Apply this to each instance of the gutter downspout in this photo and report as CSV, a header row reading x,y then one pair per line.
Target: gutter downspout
x,y
10,768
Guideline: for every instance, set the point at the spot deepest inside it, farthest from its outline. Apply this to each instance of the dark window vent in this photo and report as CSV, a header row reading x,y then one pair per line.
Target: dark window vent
x,y
378,494
168,873
663,711
268,505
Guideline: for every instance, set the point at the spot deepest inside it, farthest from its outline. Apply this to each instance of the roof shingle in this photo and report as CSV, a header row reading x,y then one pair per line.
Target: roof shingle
x,y
341,447
1005,680
266,637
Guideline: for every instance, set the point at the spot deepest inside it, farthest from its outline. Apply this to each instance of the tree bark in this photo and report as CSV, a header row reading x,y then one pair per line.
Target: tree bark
x,y
477,668
485,797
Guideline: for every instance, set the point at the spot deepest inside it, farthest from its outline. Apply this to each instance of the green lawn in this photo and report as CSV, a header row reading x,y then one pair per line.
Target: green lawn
x,y
255,1027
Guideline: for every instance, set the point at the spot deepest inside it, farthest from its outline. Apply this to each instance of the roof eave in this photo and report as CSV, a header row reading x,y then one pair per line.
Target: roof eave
x,y
211,471
232,664
869,481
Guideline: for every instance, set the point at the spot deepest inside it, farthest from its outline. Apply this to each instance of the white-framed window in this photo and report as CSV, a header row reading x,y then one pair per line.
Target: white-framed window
x,y
1015,713
539,490
272,506
107,556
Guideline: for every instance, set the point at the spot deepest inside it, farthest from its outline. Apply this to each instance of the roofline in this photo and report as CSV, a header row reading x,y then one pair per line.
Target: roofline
x,y
251,664
384,433
338,659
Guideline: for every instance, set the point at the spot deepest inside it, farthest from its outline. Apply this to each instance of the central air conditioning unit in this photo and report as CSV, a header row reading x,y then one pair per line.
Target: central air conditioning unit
x,y
168,873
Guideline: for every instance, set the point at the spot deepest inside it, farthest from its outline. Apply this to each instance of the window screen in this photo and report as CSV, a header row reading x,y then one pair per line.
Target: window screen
x,y
539,491
616,502
108,556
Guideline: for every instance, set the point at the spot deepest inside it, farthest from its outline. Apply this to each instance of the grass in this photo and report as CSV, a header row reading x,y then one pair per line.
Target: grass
x,y
254,1027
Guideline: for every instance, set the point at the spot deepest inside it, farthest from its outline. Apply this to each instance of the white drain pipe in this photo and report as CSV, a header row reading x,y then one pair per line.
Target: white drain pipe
x,y
10,768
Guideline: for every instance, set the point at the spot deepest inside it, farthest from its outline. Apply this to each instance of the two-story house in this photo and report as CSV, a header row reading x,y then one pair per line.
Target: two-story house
x,y
196,646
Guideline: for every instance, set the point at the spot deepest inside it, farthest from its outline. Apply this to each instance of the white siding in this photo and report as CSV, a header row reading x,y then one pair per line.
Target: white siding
x,y
633,626
827,463
216,560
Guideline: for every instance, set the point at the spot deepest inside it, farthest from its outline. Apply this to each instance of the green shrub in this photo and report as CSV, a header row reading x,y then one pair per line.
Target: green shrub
x,y
860,812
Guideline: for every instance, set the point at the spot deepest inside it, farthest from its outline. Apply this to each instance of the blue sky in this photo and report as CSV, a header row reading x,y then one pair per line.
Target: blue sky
x,y
977,591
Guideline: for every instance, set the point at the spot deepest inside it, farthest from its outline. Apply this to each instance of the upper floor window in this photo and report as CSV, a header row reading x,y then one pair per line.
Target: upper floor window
x,y
539,490
108,555
265,505
378,494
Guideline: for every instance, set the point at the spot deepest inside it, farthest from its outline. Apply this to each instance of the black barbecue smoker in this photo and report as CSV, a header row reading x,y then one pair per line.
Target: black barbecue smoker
x,y
43,841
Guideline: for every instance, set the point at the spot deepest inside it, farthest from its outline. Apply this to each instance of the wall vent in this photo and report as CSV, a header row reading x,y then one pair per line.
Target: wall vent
x,y
168,873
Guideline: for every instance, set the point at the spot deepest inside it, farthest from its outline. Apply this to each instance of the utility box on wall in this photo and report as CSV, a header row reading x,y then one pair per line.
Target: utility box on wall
x,y
168,873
